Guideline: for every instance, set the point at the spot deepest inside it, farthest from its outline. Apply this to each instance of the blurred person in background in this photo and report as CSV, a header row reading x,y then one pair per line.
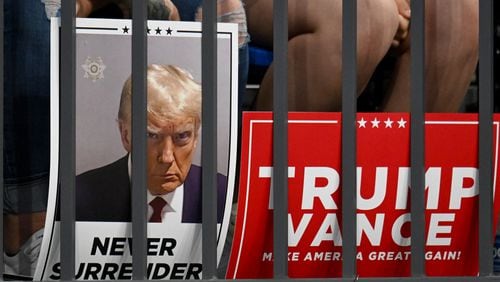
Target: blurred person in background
x,y
315,53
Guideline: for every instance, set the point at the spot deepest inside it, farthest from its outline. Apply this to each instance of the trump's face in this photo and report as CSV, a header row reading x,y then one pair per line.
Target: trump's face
x,y
170,151
173,109
170,148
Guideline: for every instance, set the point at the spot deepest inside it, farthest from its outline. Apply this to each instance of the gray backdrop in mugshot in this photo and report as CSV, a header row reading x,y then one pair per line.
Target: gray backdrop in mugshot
x,y
97,136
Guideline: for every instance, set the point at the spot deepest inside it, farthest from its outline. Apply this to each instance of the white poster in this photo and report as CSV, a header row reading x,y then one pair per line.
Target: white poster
x,y
103,146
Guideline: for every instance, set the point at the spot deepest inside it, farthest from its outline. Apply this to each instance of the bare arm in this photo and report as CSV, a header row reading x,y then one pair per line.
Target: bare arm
x,y
229,11
404,22
162,10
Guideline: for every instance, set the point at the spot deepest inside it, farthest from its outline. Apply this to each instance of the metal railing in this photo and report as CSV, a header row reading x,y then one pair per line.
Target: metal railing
x,y
209,153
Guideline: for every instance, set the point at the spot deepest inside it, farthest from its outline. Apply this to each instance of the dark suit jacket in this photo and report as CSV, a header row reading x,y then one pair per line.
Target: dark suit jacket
x,y
103,194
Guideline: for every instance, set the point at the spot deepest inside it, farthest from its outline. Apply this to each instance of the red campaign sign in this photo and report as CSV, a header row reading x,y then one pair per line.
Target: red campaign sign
x,y
383,180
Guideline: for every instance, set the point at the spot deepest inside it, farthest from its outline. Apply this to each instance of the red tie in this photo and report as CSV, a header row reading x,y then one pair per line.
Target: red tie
x,y
157,204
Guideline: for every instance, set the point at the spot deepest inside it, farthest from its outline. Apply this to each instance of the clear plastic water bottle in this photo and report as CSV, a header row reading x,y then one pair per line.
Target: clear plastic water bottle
x,y
51,7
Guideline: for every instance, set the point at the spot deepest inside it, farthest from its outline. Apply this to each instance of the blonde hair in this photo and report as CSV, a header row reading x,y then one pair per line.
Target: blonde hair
x,y
175,94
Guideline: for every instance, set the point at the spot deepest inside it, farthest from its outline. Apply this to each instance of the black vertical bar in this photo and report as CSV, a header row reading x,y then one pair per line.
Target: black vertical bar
x,y
1,133
209,137
486,32
139,118
67,145
417,137
349,94
280,137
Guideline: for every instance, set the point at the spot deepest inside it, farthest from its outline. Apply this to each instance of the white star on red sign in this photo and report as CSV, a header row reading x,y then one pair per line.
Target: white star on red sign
x,y
362,123
401,123
388,123
375,123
